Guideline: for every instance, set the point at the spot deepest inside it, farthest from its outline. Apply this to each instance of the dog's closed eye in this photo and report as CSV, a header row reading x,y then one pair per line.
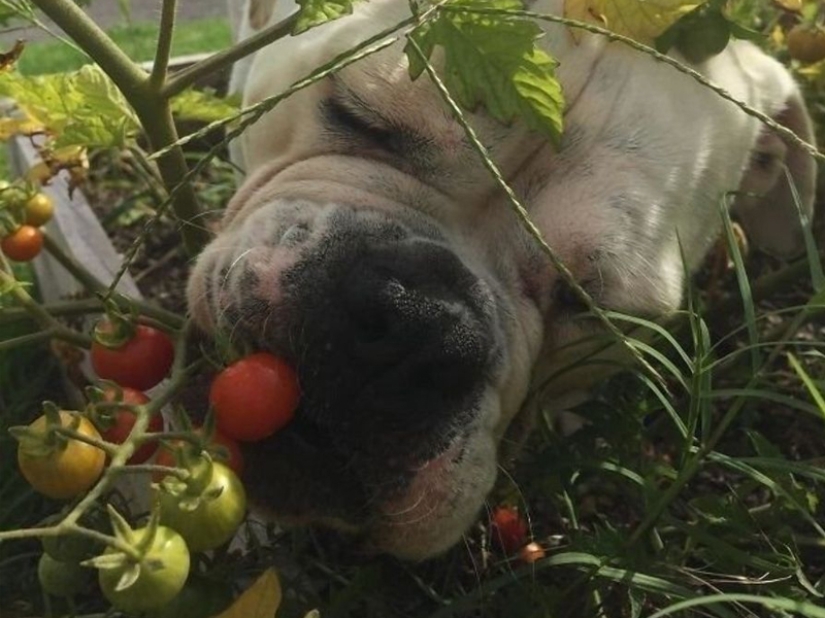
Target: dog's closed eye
x,y
567,300
344,119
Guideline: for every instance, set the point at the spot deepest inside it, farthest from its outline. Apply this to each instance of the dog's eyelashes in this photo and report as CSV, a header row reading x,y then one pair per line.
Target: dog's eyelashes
x,y
342,118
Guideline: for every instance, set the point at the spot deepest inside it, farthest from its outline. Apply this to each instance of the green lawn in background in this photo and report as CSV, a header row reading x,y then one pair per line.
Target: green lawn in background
x,y
137,40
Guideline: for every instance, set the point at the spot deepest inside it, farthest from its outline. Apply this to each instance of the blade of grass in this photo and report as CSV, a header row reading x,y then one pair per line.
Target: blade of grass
x,y
809,384
811,251
742,280
773,603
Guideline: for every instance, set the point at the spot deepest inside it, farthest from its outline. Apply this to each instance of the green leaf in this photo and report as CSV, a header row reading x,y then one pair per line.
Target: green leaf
x,y
82,108
203,106
316,12
494,62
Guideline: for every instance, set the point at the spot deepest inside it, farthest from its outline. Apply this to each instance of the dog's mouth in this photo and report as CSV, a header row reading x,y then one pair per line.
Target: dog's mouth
x,y
301,476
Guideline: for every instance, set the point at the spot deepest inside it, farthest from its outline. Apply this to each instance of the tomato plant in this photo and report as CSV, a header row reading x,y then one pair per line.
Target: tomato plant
x,y
71,547
206,511
57,466
39,209
116,425
254,397
62,579
140,362
23,244
136,585
219,447
509,529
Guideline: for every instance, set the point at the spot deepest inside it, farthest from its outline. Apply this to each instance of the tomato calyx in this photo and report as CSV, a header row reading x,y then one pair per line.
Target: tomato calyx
x,y
145,568
191,490
46,441
139,543
114,330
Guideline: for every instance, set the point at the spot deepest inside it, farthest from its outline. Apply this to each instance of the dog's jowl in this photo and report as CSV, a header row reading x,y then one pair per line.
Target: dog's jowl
x,y
370,247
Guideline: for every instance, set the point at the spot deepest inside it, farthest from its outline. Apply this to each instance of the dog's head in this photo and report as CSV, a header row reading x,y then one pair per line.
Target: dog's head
x,y
371,248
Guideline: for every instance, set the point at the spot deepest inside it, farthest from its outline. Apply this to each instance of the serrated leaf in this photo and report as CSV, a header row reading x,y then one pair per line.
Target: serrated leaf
x,y
260,600
641,20
316,12
81,108
203,106
494,62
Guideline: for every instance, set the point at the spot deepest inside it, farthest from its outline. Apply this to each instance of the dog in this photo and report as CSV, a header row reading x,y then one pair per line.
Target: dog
x,y
369,246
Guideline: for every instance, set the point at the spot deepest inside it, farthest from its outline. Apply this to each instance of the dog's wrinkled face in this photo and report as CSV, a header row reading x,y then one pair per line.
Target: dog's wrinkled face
x,y
370,247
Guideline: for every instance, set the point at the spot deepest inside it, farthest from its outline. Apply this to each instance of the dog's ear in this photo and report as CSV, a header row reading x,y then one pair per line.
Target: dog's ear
x,y
770,217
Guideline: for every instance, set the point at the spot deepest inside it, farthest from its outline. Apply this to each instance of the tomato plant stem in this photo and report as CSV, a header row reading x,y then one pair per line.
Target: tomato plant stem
x,y
164,48
220,60
107,447
44,319
79,272
144,96
181,473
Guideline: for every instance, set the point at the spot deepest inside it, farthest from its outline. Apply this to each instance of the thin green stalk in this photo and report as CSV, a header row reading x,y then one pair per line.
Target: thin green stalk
x,y
63,308
164,47
79,272
106,447
220,60
24,340
43,318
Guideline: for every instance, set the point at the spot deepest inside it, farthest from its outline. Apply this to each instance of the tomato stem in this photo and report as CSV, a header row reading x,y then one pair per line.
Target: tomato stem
x,y
180,473
107,447
46,321
79,272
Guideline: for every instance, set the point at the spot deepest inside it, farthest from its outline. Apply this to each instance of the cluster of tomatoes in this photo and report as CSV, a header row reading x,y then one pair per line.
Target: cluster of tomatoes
x,y
200,502
26,210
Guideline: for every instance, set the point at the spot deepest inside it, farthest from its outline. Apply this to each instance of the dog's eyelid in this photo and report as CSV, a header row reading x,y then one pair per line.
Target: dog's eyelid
x,y
566,298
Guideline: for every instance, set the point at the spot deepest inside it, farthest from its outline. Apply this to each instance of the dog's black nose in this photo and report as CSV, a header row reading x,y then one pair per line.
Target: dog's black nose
x,y
392,338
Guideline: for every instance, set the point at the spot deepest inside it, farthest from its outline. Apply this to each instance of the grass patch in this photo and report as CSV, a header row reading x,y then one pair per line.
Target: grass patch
x,y
136,40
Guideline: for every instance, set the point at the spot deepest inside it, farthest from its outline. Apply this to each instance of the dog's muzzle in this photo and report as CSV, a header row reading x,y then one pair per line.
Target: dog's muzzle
x,y
393,340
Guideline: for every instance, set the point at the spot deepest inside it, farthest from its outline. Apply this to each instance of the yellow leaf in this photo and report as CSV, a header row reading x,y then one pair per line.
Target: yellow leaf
x,y
19,126
260,600
641,20
789,5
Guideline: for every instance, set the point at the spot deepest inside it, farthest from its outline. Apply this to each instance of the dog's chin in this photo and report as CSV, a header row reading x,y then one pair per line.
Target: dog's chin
x,y
440,503
425,518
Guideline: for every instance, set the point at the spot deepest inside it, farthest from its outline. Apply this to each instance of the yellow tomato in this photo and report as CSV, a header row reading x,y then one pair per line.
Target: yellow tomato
x,y
67,469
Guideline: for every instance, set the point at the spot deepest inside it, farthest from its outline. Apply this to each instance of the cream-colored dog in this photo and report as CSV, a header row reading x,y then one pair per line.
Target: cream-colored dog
x,y
371,248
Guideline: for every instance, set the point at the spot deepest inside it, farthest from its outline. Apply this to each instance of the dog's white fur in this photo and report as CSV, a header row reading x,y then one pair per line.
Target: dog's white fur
x,y
647,156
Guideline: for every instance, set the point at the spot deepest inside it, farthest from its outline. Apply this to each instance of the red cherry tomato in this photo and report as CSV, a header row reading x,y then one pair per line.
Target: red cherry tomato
x,y
221,448
23,244
509,529
254,397
124,419
140,363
